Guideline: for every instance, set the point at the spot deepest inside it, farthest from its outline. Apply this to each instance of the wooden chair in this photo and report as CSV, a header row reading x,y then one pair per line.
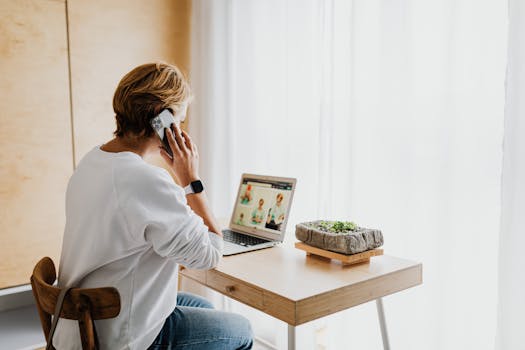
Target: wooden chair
x,y
81,304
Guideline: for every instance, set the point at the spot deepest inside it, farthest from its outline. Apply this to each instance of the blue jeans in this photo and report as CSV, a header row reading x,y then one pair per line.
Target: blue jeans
x,y
194,324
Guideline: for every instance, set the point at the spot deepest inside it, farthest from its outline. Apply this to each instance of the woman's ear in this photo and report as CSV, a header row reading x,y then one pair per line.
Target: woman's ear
x,y
157,109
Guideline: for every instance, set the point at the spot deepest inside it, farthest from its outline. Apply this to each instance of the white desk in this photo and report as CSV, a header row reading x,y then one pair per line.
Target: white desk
x,y
284,283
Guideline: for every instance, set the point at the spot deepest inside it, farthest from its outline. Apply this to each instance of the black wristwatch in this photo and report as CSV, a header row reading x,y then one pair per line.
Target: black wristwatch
x,y
194,187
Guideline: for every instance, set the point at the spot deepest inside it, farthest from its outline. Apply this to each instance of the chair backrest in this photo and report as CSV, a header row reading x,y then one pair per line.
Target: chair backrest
x,y
81,304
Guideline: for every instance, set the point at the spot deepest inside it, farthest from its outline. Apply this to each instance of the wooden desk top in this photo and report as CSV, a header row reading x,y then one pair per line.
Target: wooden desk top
x,y
283,282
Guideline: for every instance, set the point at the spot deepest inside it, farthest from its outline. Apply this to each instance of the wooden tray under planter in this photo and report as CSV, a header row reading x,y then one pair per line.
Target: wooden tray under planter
x,y
345,259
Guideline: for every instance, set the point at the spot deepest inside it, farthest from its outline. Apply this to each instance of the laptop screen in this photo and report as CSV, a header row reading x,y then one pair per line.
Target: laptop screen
x,y
263,204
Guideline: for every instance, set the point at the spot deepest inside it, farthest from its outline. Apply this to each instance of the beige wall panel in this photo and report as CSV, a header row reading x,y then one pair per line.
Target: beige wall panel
x,y
109,38
35,135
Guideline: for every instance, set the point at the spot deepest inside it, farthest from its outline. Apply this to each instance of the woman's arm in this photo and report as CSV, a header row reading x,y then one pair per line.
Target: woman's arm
x,y
198,202
185,165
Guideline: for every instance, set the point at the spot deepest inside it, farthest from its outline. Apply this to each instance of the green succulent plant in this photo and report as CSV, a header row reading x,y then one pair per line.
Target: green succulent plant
x,y
336,226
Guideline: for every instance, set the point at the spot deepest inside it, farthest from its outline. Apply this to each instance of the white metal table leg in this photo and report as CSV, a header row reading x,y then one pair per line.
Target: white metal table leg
x,y
291,337
382,323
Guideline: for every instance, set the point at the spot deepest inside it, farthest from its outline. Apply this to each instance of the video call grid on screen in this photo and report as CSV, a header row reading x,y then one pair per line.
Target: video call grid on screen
x,y
263,204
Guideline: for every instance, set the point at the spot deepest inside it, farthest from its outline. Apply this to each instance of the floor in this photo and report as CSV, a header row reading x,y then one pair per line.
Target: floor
x,y
20,330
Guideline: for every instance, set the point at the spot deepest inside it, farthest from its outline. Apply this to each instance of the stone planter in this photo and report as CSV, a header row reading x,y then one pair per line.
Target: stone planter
x,y
353,242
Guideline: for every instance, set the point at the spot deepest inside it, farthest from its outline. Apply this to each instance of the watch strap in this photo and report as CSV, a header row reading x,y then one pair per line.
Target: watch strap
x,y
188,189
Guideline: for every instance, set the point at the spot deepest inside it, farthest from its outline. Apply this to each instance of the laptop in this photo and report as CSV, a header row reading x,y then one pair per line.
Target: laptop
x,y
260,213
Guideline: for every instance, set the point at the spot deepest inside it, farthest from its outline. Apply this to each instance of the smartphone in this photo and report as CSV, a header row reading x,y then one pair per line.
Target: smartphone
x,y
159,123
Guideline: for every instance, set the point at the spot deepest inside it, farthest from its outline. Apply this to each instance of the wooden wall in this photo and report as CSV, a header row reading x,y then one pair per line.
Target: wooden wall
x,y
35,136
42,135
108,39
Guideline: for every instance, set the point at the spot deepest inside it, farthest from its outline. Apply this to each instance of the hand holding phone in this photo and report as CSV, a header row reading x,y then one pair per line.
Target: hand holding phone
x,y
185,159
159,124
178,150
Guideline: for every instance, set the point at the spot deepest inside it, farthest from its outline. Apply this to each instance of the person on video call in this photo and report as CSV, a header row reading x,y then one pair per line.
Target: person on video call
x,y
258,213
240,220
246,198
276,214
129,225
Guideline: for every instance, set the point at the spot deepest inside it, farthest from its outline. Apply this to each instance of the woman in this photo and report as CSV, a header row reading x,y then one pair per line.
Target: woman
x,y
128,225
276,214
258,213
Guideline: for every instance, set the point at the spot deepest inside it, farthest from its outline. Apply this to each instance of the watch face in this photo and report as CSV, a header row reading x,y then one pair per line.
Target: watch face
x,y
197,186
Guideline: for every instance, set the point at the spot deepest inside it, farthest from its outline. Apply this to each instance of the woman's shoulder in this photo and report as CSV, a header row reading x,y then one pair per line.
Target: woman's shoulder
x,y
139,176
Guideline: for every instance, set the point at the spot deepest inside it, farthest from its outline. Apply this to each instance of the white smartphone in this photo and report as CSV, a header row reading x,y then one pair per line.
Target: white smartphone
x,y
159,123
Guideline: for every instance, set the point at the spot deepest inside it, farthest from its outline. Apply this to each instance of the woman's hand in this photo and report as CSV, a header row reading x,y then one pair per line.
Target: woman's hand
x,y
185,161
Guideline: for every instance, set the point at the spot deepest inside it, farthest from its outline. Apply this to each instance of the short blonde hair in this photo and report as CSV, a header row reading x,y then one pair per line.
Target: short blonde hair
x,y
144,92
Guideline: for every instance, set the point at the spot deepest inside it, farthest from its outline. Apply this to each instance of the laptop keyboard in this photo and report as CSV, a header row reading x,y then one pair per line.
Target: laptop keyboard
x,y
241,239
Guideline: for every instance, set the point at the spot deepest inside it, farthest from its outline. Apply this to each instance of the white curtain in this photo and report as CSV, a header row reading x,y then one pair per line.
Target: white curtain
x,y
511,334
389,113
